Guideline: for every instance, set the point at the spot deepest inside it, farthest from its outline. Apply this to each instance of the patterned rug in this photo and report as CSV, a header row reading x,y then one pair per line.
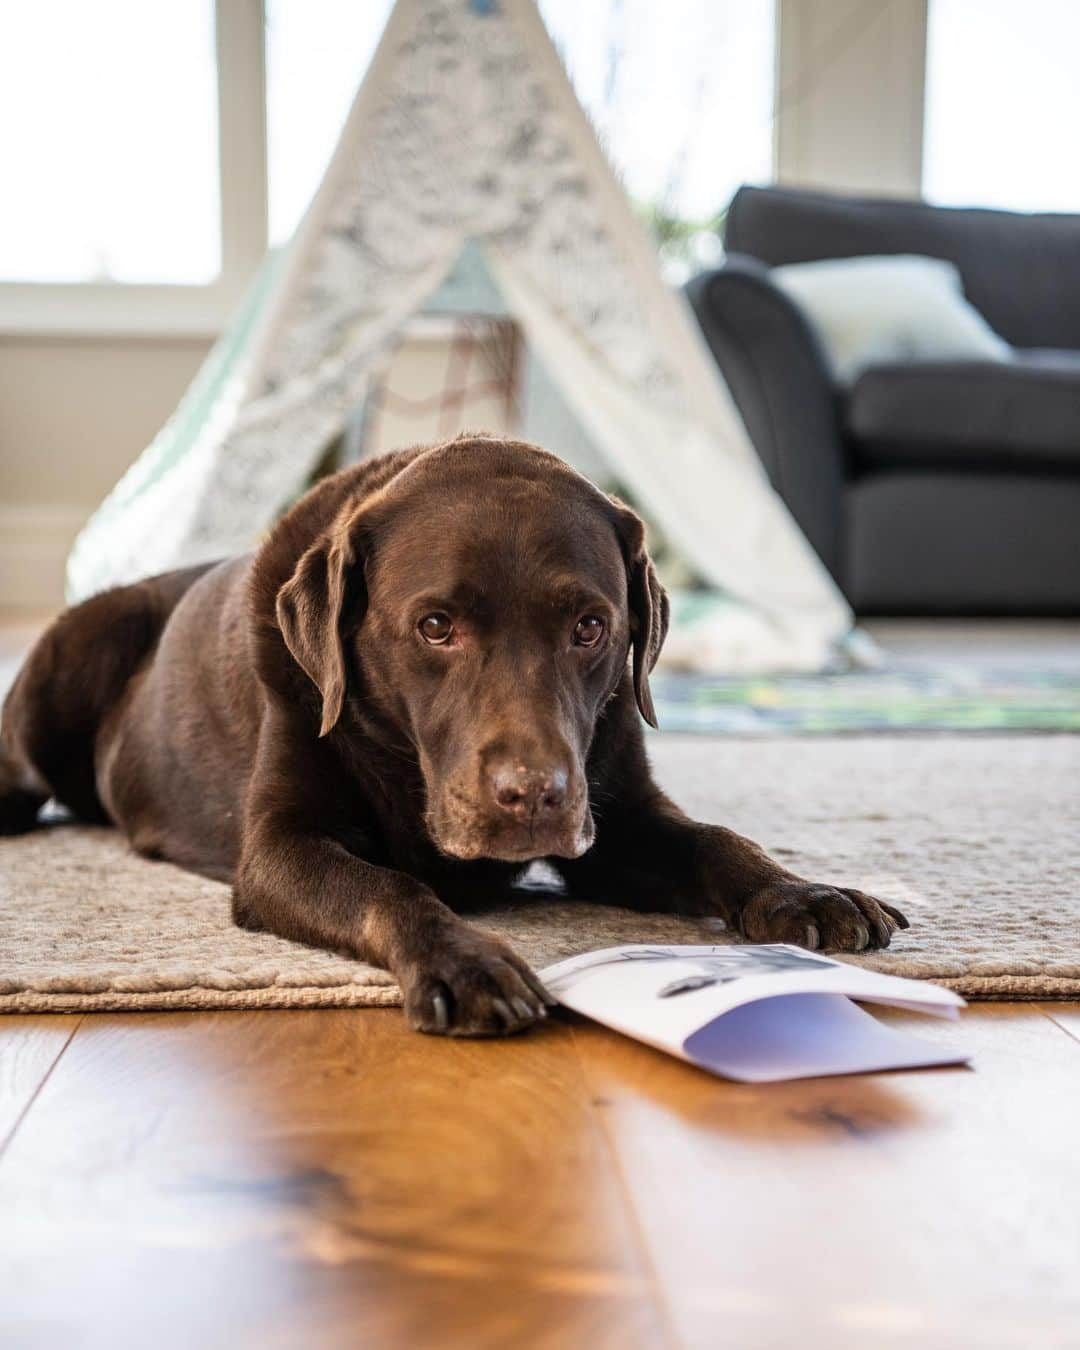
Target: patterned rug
x,y
898,698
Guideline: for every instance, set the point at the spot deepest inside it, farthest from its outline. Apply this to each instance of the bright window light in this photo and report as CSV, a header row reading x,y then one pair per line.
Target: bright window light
x,y
680,93
1003,104
317,53
109,152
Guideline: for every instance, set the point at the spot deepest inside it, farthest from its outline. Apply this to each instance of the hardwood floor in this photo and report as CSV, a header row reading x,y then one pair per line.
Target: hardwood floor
x,y
328,1179
325,1179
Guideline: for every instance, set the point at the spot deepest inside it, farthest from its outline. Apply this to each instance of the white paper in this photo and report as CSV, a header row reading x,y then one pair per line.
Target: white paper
x,y
753,1013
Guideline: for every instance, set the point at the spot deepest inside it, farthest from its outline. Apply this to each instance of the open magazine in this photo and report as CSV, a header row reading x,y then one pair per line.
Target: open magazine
x,y
757,1014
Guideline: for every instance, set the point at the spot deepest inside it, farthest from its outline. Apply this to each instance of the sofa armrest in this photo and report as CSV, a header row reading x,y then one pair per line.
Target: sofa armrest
x,y
776,370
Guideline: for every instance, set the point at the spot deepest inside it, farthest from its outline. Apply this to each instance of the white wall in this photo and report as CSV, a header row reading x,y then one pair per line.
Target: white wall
x,y
74,413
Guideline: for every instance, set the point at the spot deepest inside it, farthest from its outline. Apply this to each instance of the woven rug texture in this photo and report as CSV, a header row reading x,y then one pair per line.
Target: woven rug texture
x,y
977,838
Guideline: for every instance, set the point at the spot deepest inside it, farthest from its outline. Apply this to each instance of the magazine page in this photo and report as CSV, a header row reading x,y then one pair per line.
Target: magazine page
x,y
754,1012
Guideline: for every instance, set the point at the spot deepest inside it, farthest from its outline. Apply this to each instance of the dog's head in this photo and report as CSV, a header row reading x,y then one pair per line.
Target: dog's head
x,y
485,602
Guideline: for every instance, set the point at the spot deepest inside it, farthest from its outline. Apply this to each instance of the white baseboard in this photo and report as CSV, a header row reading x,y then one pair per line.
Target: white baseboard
x,y
34,544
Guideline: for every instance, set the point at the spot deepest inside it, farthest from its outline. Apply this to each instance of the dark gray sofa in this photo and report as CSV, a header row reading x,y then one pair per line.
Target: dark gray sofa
x,y
929,487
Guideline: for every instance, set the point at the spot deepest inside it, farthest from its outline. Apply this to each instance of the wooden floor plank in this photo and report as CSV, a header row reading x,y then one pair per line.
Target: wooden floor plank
x,y
1065,1015
29,1047
326,1178
919,1209
316,1179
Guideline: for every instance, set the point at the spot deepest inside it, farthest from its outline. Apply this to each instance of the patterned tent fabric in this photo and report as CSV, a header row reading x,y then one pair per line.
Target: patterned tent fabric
x,y
466,128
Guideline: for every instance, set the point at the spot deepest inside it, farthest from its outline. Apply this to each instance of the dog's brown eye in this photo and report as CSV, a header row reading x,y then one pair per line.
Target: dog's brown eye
x,y
436,629
588,631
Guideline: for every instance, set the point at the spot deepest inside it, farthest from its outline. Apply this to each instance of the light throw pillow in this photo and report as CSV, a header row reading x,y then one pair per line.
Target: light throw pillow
x,y
902,307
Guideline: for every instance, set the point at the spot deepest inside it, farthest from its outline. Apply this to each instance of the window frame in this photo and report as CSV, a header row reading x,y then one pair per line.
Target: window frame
x,y
123,309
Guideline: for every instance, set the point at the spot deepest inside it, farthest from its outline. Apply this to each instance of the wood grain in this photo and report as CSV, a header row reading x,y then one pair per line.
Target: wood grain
x,y
317,1178
325,1179
923,1209
29,1047
1065,1015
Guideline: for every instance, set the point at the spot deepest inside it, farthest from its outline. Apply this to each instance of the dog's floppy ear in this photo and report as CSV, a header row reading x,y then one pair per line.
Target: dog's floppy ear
x,y
649,608
311,608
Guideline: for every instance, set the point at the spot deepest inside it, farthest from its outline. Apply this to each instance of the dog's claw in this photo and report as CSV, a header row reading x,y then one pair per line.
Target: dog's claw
x,y
538,989
471,984
825,917
883,929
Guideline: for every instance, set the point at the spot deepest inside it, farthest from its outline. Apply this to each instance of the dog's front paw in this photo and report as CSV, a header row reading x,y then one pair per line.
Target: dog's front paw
x,y
830,917
471,984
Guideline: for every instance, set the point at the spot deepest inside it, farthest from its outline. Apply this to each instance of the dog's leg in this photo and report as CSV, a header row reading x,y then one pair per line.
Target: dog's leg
x,y
296,880
650,856
22,793
455,979
23,789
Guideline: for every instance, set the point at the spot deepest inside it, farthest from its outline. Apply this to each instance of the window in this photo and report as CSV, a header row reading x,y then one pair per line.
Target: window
x,y
1003,104
109,157
681,96
317,52
680,93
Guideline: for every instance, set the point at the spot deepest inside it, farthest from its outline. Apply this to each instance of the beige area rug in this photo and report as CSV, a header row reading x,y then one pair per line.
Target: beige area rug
x,y
976,838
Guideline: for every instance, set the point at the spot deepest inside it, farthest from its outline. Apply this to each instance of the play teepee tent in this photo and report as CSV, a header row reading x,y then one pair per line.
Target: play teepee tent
x,y
466,129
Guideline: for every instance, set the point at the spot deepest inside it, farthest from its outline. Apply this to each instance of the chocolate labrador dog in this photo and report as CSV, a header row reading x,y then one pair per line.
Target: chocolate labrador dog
x,y
418,685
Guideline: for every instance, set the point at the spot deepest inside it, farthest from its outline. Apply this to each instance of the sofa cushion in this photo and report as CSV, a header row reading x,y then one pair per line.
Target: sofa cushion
x,y
869,311
1024,413
962,543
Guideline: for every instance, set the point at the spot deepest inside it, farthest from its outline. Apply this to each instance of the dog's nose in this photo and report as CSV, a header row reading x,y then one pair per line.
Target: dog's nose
x,y
527,793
